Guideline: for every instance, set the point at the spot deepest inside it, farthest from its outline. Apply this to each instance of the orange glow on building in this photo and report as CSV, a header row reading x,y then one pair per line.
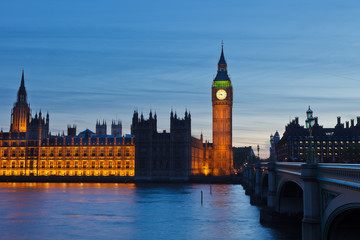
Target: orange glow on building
x,y
63,156
222,100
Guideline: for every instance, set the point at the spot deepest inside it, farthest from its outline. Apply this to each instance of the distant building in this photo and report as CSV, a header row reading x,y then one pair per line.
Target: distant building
x,y
242,155
71,130
338,144
29,149
101,128
162,156
174,155
21,114
116,128
274,139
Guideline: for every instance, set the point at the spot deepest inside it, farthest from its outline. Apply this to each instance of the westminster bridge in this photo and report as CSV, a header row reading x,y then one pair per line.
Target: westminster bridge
x,y
326,196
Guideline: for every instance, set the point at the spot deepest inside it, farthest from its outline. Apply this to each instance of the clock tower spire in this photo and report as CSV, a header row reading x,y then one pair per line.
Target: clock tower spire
x,y
222,100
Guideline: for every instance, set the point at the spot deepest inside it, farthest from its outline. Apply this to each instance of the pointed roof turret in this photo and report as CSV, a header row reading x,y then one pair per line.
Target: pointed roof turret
x,y
309,113
222,58
222,67
21,96
309,110
277,135
22,79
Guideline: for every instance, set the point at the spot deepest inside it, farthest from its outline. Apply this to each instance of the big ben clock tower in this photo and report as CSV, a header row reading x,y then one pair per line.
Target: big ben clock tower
x,y
222,100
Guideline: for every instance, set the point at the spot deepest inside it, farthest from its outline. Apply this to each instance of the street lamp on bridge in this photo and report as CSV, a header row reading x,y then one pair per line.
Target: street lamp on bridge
x,y
310,122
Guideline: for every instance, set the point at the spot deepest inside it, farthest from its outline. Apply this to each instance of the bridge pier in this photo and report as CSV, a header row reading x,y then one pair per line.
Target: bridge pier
x,y
271,199
250,181
246,178
311,228
255,198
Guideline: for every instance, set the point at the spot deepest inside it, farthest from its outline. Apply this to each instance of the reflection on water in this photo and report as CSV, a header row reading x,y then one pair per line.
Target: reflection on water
x,y
129,211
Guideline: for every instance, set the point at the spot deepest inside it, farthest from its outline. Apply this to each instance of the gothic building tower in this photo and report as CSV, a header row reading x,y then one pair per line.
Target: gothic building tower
x,y
116,128
101,128
71,130
222,100
38,127
20,114
162,156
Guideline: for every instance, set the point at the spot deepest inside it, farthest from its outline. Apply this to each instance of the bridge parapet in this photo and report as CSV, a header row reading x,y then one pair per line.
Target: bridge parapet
x,y
346,175
293,168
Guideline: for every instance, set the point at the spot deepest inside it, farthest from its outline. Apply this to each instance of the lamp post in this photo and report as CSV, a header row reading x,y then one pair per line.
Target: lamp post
x,y
310,122
311,222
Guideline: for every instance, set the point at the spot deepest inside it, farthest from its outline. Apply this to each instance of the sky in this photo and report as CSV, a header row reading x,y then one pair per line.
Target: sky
x,y
100,60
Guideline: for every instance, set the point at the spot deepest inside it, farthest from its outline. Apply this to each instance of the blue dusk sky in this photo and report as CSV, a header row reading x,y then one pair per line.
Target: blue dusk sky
x,y
92,60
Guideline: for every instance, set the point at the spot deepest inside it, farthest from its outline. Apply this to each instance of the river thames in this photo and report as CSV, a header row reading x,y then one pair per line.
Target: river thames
x,y
131,211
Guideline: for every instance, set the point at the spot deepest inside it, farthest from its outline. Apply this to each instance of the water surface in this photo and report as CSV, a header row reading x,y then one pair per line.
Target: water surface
x,y
130,211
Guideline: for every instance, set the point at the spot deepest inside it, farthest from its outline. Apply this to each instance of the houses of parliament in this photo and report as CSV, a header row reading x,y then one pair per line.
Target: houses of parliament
x,y
29,149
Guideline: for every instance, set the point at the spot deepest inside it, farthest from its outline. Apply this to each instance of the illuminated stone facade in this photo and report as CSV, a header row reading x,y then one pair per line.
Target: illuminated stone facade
x,y
66,156
28,149
201,157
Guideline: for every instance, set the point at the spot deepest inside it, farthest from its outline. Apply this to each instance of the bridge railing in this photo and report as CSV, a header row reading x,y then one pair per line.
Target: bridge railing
x,y
293,168
340,174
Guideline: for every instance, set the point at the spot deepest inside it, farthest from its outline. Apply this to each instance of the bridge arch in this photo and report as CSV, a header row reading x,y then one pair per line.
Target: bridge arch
x,y
289,197
342,218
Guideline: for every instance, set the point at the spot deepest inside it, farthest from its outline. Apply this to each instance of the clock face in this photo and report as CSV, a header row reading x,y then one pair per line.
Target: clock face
x,y
221,94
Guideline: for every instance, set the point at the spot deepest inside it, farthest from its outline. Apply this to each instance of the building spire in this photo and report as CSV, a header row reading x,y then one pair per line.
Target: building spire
x,y
22,79
21,96
222,58
222,67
